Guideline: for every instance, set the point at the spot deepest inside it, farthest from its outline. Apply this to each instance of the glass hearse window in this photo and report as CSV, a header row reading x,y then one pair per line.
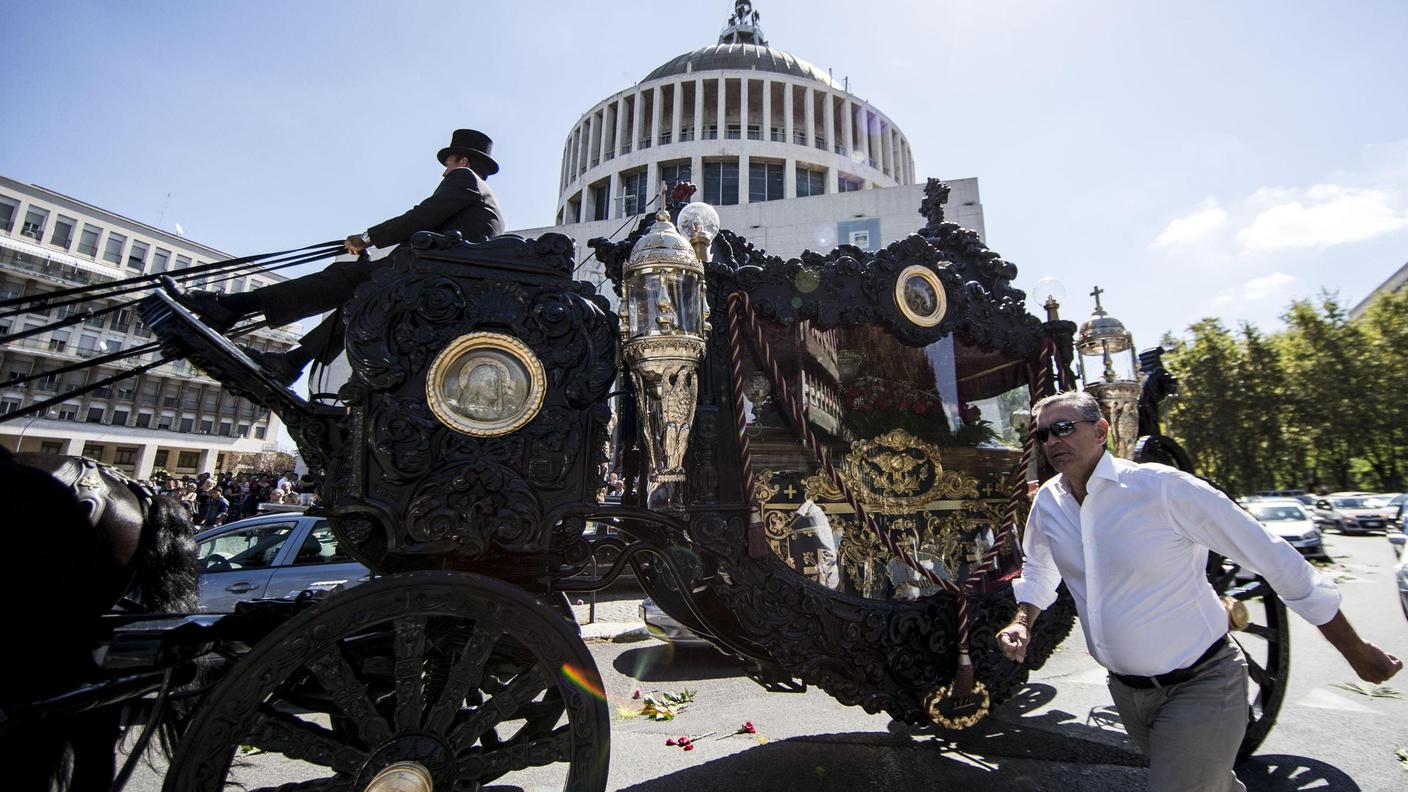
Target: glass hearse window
x,y
927,438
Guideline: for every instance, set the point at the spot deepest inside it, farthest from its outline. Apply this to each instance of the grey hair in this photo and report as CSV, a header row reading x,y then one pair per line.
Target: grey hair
x,y
1085,405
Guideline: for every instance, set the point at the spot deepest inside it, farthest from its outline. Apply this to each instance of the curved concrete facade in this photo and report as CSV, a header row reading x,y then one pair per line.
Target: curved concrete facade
x,y
769,119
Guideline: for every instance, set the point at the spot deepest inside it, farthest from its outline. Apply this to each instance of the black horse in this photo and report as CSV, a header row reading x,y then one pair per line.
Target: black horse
x,y
80,539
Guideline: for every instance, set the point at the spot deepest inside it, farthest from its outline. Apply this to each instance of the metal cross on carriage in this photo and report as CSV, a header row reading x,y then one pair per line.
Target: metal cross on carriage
x,y
827,461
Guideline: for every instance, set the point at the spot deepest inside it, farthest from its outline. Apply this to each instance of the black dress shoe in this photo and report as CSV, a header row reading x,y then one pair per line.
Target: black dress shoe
x,y
203,304
275,364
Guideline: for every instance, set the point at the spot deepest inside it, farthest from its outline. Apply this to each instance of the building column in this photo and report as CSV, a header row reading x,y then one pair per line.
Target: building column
x,y
698,114
767,110
636,120
656,95
73,446
677,112
620,122
743,179
789,178
829,182
721,94
864,141
146,458
587,128
888,151
614,185
652,183
787,112
848,127
696,175
601,143
830,116
810,115
743,108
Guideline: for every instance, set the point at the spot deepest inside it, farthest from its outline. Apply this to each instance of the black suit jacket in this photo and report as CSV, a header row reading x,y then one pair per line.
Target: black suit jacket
x,y
463,202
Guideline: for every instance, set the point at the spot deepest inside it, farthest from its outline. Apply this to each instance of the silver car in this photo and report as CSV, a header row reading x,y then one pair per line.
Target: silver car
x,y
272,555
1288,520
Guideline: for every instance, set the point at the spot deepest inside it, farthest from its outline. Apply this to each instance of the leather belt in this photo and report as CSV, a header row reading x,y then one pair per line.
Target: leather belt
x,y
1172,677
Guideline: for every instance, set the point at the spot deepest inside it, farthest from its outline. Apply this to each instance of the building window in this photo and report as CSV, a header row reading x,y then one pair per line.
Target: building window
x,y
160,458
112,252
62,237
187,459
124,456
846,184
144,420
721,183
122,320
119,418
810,182
733,132
48,382
601,200
68,412
95,414
164,422
8,406
88,241
182,262
58,341
161,259
259,432
242,430
225,428
765,181
711,132
755,132
187,424
137,257
7,214
34,221
674,174
633,193
206,425
51,447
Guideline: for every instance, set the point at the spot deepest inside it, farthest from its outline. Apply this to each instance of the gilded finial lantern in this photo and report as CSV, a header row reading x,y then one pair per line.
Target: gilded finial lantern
x,y
664,324
1109,370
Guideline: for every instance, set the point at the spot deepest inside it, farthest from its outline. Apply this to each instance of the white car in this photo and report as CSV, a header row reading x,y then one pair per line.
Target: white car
x,y
1289,520
272,555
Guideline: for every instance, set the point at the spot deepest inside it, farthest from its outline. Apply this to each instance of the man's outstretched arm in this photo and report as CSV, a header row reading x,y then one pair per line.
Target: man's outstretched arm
x,y
1014,638
1371,663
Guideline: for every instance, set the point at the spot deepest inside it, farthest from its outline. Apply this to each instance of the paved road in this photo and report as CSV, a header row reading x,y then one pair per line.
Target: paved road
x,y
1060,734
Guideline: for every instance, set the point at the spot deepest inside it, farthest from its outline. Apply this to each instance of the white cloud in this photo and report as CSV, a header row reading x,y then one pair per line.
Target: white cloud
x,y
1192,227
1320,217
1273,285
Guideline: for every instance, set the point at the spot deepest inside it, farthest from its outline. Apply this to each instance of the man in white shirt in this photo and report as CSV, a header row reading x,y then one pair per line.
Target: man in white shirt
x,y
1131,542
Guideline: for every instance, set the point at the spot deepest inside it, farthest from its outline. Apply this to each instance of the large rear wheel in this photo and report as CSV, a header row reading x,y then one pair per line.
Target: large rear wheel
x,y
440,680
1260,628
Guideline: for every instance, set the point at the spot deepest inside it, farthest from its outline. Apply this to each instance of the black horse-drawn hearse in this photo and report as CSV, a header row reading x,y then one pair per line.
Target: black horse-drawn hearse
x,y
827,461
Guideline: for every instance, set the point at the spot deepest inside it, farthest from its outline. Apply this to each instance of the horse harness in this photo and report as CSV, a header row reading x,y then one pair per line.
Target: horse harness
x,y
85,478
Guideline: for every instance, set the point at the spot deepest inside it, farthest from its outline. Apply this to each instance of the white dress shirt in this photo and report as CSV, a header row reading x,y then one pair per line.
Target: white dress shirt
x,y
1134,555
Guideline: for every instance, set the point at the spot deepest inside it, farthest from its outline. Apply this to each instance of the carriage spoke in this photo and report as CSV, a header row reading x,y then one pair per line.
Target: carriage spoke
x,y
503,706
480,765
1259,630
277,732
329,784
1256,672
349,694
410,680
466,673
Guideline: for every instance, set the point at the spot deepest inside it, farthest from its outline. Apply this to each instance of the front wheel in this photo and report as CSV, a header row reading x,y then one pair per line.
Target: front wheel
x,y
445,680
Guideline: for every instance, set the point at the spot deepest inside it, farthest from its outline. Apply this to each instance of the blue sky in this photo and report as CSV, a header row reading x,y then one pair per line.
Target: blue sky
x,y
1193,158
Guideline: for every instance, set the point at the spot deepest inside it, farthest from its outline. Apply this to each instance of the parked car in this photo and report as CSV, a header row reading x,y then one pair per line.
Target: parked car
x,y
271,555
1396,540
660,625
1352,513
1396,506
1288,520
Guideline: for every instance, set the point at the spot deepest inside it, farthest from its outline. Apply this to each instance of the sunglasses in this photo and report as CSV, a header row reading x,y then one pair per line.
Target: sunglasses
x,y
1057,429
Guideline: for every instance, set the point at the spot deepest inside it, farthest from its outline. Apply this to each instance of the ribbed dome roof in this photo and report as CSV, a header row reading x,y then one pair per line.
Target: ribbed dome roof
x,y
741,57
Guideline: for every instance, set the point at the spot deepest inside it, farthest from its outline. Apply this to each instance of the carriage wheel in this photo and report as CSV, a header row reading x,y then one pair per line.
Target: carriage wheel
x,y
1265,640
421,680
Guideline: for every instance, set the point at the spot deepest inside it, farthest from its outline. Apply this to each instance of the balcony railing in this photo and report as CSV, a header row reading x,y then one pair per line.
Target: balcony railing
x,y
686,135
778,136
665,138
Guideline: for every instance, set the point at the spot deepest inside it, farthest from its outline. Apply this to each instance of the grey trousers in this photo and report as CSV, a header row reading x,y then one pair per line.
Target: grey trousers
x,y
1190,731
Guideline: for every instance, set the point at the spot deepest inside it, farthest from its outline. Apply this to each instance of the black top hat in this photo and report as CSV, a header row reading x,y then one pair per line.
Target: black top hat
x,y
473,144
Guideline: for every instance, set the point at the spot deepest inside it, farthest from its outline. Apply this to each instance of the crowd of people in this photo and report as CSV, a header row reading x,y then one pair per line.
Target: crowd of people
x,y
225,497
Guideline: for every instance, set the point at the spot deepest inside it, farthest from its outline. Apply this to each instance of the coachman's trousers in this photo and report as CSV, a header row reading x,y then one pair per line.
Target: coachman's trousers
x,y
1190,731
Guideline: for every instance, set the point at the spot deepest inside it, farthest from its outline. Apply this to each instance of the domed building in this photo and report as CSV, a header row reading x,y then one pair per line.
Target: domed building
x,y
789,156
